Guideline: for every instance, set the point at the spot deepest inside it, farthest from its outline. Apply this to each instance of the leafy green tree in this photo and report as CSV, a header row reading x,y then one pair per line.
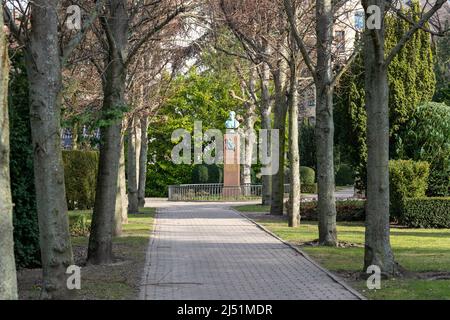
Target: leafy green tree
x,y
200,174
426,138
442,69
195,96
308,145
410,74
351,120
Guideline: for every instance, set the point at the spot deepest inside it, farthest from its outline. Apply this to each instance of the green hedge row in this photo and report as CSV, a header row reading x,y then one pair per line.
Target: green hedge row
x,y
80,171
345,176
426,213
408,179
348,210
309,188
202,174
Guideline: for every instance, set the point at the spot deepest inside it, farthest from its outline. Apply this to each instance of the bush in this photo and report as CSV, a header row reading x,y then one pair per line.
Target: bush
x,y
345,176
200,174
307,144
162,174
426,213
309,188
349,210
215,174
408,179
79,224
426,138
255,178
80,171
307,175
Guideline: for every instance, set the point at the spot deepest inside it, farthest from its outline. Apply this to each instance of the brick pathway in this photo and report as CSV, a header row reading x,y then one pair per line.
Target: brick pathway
x,y
209,252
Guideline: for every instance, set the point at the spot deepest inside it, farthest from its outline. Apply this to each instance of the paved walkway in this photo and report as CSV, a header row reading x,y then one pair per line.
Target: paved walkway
x,y
209,252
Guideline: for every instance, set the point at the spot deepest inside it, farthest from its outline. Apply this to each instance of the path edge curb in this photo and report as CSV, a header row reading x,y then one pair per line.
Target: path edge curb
x,y
143,283
334,277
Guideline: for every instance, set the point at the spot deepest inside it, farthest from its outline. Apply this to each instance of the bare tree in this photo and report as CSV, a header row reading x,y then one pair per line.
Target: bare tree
x,y
378,249
147,81
325,80
121,213
294,152
124,29
250,101
261,28
35,26
115,26
262,99
134,151
142,182
8,280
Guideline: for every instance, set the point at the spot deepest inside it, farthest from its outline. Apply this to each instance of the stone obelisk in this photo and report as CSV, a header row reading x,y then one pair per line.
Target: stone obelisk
x,y
232,166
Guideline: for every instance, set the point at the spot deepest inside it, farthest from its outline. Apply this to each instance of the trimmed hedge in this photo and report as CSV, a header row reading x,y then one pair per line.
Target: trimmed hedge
x,y
345,176
200,174
80,171
203,174
348,210
307,175
426,213
408,179
215,174
309,188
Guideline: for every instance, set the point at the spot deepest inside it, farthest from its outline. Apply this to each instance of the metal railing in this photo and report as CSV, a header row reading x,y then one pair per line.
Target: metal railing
x,y
214,192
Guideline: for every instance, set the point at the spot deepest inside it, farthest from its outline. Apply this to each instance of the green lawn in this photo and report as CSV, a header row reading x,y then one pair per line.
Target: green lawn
x,y
417,250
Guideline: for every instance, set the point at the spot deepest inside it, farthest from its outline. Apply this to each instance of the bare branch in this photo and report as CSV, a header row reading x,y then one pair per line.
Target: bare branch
x,y
153,31
414,28
306,57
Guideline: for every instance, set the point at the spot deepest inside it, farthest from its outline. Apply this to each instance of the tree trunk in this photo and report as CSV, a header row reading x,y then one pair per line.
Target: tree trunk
x,y
277,201
44,75
266,124
377,244
132,165
8,280
123,184
75,136
325,125
119,214
143,162
249,145
294,152
250,138
100,241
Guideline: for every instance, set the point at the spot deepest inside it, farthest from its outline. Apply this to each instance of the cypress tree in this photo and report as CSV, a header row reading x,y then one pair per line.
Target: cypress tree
x,y
351,120
411,82
410,74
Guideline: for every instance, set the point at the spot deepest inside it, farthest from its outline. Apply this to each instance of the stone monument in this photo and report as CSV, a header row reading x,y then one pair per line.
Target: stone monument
x,y
232,166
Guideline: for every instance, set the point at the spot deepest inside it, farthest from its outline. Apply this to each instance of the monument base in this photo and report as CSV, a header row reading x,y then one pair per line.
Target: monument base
x,y
232,167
